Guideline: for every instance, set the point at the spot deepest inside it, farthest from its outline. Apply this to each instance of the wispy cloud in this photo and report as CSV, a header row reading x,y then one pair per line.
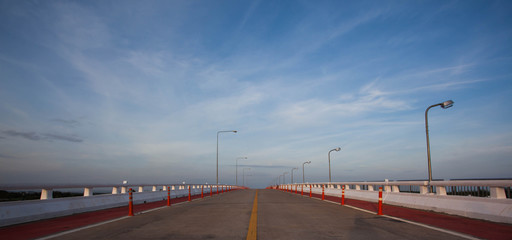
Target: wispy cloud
x,y
67,122
34,136
317,111
26,135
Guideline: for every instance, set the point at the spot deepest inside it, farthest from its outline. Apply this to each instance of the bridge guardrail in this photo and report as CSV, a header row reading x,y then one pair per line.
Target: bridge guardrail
x,y
481,199
14,212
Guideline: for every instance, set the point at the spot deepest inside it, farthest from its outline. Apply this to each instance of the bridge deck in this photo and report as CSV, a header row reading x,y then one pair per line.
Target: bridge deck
x,y
280,215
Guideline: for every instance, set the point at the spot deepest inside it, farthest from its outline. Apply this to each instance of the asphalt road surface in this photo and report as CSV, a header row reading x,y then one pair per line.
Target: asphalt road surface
x,y
280,215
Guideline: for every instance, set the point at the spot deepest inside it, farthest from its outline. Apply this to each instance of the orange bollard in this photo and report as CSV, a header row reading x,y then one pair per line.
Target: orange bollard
x,y
323,195
168,196
130,203
189,197
296,189
342,195
310,193
202,187
380,201
217,190
302,189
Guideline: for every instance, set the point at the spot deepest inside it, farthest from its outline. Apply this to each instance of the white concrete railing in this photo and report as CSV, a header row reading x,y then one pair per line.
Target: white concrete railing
x,y
15,212
496,207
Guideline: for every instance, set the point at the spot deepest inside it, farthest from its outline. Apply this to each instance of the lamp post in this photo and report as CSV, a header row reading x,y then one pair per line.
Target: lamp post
x,y
308,162
236,181
284,177
292,174
234,131
329,157
444,105
243,174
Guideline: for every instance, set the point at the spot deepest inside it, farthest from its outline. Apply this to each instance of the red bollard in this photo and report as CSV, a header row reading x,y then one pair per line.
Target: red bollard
x,y
380,201
310,193
168,196
202,188
217,190
323,195
211,190
189,197
342,195
302,189
130,203
296,189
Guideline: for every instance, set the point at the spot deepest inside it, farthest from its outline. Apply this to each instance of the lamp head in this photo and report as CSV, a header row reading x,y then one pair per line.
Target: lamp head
x,y
337,149
235,131
447,104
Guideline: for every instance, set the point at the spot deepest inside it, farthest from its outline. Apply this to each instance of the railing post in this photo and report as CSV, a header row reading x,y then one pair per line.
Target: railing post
x,y
296,189
168,196
202,188
498,192
440,190
46,194
380,201
323,195
424,188
342,195
189,197
310,191
211,190
87,192
302,189
130,202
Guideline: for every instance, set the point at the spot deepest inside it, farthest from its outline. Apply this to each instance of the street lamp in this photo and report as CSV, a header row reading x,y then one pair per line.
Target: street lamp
x,y
292,174
329,157
444,105
303,170
243,174
284,177
236,181
234,131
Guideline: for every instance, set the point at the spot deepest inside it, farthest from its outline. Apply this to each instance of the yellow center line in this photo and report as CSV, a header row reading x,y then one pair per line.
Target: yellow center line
x,y
253,223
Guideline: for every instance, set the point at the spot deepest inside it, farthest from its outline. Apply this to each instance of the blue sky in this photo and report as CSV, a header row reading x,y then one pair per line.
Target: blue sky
x,y
106,91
